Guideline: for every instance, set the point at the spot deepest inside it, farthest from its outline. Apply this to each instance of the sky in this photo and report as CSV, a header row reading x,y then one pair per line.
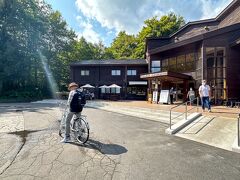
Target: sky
x,y
101,20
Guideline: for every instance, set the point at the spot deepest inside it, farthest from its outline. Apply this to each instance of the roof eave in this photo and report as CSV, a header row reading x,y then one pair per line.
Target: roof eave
x,y
196,38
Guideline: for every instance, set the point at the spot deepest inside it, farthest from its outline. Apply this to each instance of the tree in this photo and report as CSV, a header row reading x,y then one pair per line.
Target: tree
x,y
27,28
155,27
123,46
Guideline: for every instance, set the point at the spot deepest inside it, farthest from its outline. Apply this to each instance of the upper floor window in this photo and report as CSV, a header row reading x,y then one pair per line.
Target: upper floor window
x,y
181,63
116,72
155,66
164,65
172,64
84,72
190,62
131,72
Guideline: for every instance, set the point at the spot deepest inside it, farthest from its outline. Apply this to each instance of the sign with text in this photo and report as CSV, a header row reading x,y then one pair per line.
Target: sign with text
x,y
155,97
164,96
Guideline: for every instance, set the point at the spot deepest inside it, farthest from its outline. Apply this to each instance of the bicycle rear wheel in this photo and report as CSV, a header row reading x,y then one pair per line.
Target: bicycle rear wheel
x,y
80,130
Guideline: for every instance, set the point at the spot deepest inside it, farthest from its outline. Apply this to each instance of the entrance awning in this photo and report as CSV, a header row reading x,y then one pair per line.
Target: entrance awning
x,y
137,82
166,76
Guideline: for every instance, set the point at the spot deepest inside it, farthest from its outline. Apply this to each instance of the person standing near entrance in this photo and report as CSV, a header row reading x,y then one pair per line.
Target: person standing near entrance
x,y
191,96
205,93
171,92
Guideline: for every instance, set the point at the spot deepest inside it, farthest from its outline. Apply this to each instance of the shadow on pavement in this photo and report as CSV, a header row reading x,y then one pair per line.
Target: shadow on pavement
x,y
109,149
28,107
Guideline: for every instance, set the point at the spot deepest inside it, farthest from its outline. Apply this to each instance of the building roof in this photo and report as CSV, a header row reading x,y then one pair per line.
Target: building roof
x,y
216,19
200,37
170,40
111,62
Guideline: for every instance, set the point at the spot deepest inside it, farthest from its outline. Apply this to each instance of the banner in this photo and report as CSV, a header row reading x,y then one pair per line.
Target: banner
x,y
155,97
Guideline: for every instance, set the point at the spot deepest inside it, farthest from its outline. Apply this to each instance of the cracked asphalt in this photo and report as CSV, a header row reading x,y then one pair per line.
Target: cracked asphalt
x,y
120,147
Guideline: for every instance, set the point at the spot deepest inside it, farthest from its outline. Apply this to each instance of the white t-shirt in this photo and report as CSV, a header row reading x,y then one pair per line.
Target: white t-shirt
x,y
204,90
191,93
70,97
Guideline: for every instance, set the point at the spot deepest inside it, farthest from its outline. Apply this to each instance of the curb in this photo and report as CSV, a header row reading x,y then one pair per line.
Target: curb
x,y
235,147
182,124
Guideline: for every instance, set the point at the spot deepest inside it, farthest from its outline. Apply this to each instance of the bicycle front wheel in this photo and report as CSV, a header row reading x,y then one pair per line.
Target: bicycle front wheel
x,y
81,130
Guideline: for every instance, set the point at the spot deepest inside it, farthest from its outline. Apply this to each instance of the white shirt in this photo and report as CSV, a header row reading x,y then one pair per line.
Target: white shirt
x,y
191,93
70,97
204,90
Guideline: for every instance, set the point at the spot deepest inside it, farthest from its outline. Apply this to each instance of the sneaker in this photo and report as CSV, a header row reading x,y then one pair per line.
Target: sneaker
x,y
66,140
209,110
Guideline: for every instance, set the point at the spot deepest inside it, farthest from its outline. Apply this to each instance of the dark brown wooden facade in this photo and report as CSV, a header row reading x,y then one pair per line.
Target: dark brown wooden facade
x,y
100,72
207,49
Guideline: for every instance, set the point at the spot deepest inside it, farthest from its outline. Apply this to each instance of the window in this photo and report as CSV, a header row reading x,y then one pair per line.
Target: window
x,y
84,72
156,67
131,72
164,64
189,57
103,90
181,63
172,64
190,62
136,91
216,71
107,90
115,90
116,72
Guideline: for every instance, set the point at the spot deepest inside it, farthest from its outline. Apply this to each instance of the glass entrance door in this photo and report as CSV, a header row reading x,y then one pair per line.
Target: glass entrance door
x,y
216,72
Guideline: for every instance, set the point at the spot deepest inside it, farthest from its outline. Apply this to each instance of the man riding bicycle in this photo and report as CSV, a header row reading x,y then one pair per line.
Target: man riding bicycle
x,y
75,103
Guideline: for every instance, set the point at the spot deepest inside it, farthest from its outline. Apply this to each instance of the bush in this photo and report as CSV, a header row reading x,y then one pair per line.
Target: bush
x,y
20,96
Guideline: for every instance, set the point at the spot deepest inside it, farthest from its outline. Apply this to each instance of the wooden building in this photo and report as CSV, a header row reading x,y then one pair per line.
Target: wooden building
x,y
206,49
124,73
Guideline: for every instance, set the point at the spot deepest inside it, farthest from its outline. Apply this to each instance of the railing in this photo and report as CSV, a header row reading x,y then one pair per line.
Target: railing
x,y
238,130
185,112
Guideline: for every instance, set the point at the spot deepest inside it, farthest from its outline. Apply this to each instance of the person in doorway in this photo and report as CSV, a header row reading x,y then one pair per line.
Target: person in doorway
x,y
191,96
205,94
92,95
75,103
171,92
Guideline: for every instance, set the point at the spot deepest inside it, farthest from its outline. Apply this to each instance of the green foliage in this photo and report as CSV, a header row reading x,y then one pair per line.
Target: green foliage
x,y
123,46
29,26
155,27
126,46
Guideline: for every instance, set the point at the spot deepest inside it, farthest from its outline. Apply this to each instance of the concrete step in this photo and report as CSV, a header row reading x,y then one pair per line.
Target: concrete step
x,y
183,123
155,115
147,110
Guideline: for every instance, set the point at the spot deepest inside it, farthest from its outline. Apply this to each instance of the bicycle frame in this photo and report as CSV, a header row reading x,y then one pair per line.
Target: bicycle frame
x,y
74,118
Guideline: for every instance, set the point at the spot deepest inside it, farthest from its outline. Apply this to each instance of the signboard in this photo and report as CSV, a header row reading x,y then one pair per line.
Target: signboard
x,y
153,75
155,97
164,96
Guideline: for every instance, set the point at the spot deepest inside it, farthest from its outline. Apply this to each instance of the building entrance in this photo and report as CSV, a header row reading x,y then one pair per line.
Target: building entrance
x,y
216,72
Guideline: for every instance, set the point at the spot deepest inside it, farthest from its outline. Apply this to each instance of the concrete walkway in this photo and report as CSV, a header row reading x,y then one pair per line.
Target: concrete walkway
x,y
216,110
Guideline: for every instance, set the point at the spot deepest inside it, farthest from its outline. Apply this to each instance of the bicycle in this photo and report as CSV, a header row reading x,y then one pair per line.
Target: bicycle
x,y
79,127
